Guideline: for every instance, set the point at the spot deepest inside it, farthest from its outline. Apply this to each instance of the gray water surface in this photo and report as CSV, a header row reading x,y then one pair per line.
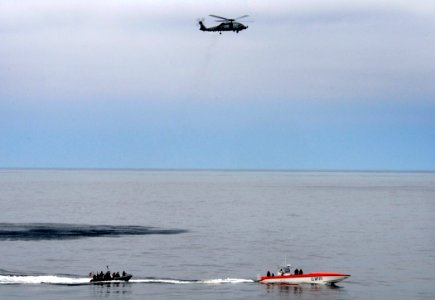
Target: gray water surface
x,y
209,234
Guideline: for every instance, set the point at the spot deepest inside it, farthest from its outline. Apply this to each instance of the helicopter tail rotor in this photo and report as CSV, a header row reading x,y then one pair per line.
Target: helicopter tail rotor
x,y
200,24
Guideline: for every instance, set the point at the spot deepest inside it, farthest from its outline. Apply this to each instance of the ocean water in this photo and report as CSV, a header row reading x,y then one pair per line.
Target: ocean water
x,y
209,234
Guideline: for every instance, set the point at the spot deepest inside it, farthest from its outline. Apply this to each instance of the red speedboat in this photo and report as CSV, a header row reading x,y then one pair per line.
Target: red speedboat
x,y
285,275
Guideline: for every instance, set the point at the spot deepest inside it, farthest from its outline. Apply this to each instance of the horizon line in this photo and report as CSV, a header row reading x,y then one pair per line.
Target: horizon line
x,y
216,170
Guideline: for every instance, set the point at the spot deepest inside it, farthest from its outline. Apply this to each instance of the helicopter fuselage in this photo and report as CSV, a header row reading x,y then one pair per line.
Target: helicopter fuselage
x,y
225,26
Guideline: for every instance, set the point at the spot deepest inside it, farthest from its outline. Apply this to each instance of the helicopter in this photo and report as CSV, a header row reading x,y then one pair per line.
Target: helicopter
x,y
226,25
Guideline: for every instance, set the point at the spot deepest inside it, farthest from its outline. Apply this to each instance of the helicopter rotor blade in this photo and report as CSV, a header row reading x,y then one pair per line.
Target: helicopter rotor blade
x,y
214,16
242,17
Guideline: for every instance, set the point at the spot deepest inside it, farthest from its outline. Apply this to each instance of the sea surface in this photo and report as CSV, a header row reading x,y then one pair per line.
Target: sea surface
x,y
209,234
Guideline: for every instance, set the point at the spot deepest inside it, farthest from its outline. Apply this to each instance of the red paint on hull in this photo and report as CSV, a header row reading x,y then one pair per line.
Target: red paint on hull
x,y
316,274
310,278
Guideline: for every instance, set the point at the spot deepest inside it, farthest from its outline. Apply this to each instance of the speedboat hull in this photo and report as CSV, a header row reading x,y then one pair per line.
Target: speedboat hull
x,y
312,278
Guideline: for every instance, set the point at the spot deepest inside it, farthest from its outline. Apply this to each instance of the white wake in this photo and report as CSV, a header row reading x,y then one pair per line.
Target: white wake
x,y
227,280
52,279
206,281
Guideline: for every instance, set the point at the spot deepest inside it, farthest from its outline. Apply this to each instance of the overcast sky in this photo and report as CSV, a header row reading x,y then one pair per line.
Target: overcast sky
x,y
134,84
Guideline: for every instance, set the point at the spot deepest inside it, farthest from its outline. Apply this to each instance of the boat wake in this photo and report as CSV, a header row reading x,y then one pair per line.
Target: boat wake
x,y
66,280
48,279
179,281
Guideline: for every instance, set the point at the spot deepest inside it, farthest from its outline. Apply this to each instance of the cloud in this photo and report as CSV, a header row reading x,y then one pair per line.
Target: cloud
x,y
149,49
27,13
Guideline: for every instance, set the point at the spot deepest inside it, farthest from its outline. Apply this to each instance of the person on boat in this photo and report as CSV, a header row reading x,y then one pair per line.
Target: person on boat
x,y
287,269
123,273
301,272
268,274
296,272
107,276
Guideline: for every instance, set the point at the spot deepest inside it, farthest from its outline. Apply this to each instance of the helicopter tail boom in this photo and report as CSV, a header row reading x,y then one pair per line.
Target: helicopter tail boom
x,y
202,26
